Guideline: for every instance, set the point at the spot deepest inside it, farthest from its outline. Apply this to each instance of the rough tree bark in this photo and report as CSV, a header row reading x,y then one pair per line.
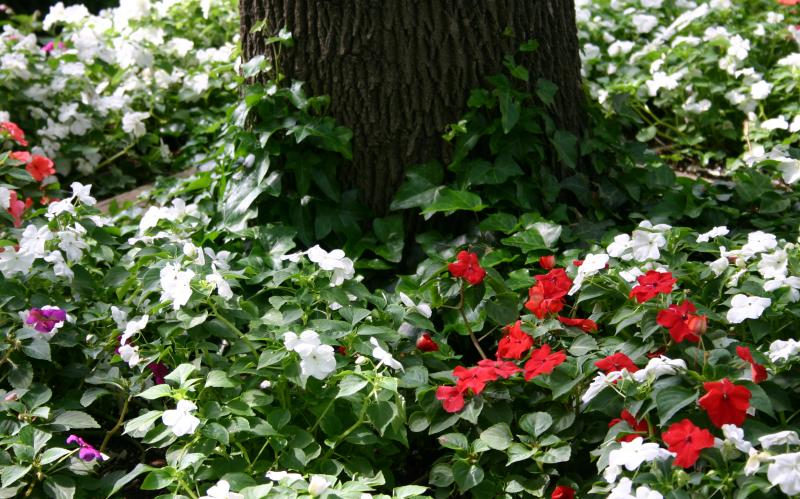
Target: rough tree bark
x,y
399,71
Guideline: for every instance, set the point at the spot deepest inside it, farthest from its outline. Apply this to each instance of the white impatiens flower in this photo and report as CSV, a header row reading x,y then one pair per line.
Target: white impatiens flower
x,y
735,436
646,243
383,356
746,307
180,420
592,264
662,80
218,281
659,366
599,383
778,123
715,232
644,23
335,261
132,327
176,285
5,198
784,471
624,490
423,308
719,265
793,283
632,454
129,354
787,437
222,490
317,361
60,267
15,262
82,193
133,123
277,476
620,247
760,90
773,265
317,485
754,461
33,240
783,349
307,337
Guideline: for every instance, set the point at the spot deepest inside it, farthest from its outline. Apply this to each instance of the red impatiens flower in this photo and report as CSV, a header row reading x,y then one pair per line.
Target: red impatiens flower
x,y
725,402
681,322
546,296
789,2
651,284
563,492
547,262
757,372
543,362
502,368
539,304
452,398
426,344
616,362
515,343
38,166
474,378
467,267
687,440
637,427
14,132
587,325
16,208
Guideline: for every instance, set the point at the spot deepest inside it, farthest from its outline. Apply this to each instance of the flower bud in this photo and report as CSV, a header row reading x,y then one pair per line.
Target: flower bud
x,y
10,397
361,360
317,486
698,324
266,384
547,262
426,344
190,250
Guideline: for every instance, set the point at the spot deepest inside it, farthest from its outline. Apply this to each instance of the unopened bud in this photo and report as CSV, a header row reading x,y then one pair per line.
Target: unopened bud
x,y
265,384
10,397
698,324
361,360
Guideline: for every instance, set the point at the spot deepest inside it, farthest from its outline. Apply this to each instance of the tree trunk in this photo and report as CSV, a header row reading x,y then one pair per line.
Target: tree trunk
x,y
399,71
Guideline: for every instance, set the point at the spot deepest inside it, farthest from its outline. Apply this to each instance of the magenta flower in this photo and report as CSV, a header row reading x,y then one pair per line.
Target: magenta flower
x,y
87,452
46,319
159,371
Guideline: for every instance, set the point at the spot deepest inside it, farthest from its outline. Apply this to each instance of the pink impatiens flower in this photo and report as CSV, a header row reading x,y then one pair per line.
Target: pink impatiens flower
x,y
46,319
86,452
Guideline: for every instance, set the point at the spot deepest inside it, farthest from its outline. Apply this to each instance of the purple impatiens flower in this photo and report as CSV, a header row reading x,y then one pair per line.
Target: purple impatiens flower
x,y
46,319
87,452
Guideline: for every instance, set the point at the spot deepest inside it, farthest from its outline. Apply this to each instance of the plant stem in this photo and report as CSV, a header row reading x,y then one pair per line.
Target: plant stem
x,y
466,323
117,426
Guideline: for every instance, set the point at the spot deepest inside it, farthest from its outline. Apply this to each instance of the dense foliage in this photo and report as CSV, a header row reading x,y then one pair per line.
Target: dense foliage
x,y
623,332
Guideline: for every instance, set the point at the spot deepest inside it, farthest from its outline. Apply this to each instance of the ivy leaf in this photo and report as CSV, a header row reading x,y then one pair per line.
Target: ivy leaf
x,y
566,146
449,200
509,111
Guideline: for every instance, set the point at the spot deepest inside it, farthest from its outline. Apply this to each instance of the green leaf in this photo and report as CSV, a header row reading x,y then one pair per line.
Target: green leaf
x,y
449,200
582,345
37,349
92,394
11,474
142,422
219,379
467,475
527,241
497,437
408,491
350,384
75,419
217,432
53,454
536,423
381,414
159,478
566,145
156,391
180,374
455,441
441,475
519,452
672,399
509,111
556,455
59,487
127,478
546,91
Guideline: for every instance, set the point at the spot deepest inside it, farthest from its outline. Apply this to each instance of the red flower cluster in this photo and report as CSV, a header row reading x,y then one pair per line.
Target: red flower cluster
x,y
515,343
616,362
725,402
543,362
651,284
475,379
687,440
587,325
426,344
547,295
757,372
682,323
638,428
14,132
467,266
38,166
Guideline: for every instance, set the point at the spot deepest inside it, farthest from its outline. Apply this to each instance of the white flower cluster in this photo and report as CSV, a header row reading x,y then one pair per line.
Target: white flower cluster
x,y
642,245
181,420
336,262
655,368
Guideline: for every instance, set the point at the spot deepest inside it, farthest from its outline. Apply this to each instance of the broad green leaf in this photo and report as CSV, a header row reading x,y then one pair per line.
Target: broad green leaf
x,y
156,391
75,419
556,455
519,452
455,441
448,200
11,474
142,422
536,423
159,478
467,475
497,436
672,399
219,379
180,374
59,487
441,475
351,384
